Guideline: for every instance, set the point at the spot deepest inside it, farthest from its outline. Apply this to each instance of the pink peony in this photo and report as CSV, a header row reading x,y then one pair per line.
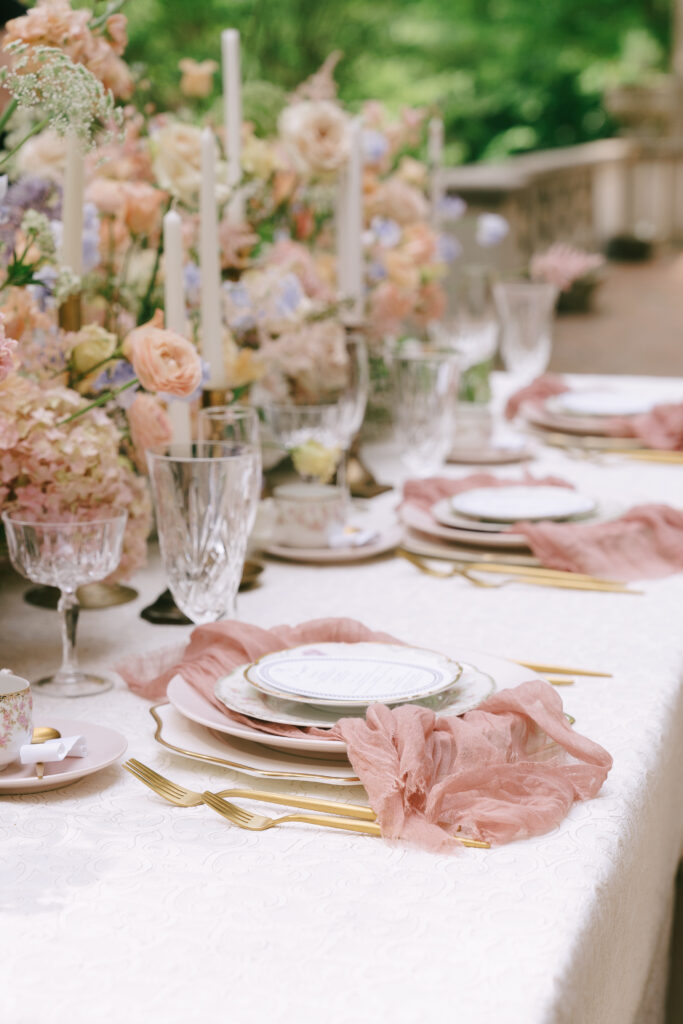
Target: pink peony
x,y
7,349
397,201
389,307
163,360
149,426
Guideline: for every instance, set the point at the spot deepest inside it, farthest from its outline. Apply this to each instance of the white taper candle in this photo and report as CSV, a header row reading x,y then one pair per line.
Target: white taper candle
x,y
72,206
212,339
232,102
174,312
435,155
354,274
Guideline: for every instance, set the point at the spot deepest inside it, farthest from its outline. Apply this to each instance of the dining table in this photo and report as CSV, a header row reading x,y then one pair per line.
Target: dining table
x,y
117,905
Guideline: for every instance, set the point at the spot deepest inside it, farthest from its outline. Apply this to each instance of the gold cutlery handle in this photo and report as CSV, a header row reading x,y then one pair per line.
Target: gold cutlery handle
x,y
309,803
369,828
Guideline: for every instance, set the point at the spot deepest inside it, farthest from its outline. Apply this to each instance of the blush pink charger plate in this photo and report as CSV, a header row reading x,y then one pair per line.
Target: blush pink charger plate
x,y
191,704
104,747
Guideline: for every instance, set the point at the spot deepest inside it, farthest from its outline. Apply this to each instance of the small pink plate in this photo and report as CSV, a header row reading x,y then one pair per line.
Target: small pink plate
x,y
104,747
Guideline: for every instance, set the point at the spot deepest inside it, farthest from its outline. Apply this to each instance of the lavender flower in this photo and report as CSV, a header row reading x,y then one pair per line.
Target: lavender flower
x,y
448,249
386,231
375,146
451,207
491,229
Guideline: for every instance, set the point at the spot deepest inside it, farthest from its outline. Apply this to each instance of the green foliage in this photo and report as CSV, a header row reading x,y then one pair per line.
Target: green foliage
x,y
509,75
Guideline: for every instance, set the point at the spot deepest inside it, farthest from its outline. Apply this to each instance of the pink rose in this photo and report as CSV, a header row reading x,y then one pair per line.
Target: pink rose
x,y
389,307
431,303
163,360
149,426
7,347
142,207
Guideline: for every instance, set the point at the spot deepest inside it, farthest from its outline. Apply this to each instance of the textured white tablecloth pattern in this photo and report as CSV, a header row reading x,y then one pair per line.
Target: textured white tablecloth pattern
x,y
116,905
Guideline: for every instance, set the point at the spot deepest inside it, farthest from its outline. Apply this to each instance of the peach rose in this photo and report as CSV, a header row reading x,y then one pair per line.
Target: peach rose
x,y
402,269
163,360
431,303
149,426
107,195
316,135
389,307
142,209
197,76
398,201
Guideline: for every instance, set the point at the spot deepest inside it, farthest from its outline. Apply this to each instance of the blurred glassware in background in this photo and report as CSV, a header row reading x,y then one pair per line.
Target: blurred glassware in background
x,y
526,311
425,393
237,426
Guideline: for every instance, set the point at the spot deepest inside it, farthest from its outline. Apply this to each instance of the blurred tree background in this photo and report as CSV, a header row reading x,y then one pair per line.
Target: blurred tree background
x,y
507,75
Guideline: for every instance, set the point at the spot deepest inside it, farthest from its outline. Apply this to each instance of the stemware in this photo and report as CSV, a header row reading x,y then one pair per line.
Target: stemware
x,y
238,427
526,311
425,387
204,496
66,555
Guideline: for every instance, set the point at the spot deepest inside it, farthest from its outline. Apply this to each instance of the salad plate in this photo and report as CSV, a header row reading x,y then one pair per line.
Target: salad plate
x,y
423,521
517,504
345,675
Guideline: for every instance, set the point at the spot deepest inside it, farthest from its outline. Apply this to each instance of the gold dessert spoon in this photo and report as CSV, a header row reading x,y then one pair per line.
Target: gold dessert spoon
x,y
41,734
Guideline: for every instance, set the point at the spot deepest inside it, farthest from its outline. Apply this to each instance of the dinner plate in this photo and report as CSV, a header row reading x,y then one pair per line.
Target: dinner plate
x,y
386,540
344,675
519,504
539,416
198,709
444,514
104,747
490,455
421,520
602,403
239,695
183,736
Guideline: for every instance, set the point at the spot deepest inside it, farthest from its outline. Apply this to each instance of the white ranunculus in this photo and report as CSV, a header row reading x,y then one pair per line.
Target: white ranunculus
x,y
316,135
44,156
177,163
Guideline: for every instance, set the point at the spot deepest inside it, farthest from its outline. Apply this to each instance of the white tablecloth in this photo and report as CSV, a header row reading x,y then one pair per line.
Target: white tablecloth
x,y
116,905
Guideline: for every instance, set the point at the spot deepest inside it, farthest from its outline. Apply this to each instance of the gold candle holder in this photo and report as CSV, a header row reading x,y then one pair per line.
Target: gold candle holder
x,y
215,396
71,313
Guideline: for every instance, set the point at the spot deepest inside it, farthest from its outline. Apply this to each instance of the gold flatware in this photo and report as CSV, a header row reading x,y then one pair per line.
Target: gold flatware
x,y
563,670
182,797
655,455
41,734
522,574
556,681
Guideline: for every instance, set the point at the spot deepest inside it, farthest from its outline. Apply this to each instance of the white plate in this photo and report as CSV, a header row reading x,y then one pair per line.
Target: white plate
x,y
601,403
198,709
421,520
183,736
517,504
239,695
444,514
353,675
387,540
190,704
584,426
490,455
104,747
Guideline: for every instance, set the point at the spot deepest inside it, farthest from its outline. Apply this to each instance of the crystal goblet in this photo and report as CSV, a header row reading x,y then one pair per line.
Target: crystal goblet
x,y
204,496
66,555
526,311
425,392
238,427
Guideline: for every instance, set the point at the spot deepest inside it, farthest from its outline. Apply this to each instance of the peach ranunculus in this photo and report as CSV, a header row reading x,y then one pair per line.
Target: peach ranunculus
x,y
163,360
419,242
236,242
149,425
316,135
402,270
7,348
197,76
431,303
397,201
108,196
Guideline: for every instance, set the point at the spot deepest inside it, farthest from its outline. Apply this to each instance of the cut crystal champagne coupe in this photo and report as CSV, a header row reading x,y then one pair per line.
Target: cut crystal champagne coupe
x,y
66,555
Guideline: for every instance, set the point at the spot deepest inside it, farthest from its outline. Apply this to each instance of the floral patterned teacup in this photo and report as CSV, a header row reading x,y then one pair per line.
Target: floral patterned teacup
x,y
307,515
16,716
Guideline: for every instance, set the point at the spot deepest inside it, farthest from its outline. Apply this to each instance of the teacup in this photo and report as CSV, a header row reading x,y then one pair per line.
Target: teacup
x,y
307,515
16,716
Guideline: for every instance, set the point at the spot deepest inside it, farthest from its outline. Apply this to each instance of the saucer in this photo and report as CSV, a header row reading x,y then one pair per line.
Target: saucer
x,y
104,747
386,540
490,455
520,503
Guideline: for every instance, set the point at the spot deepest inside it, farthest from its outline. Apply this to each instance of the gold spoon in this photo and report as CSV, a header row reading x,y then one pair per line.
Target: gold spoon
x,y
41,734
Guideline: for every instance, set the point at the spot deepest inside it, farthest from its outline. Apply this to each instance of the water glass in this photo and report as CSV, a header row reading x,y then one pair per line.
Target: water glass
x,y
238,427
425,392
66,555
204,500
526,311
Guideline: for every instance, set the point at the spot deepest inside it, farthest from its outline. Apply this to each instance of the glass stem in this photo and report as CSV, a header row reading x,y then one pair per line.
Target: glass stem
x,y
68,609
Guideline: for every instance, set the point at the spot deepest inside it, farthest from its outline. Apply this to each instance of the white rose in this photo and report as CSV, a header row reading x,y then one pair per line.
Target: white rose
x,y
177,163
316,134
44,156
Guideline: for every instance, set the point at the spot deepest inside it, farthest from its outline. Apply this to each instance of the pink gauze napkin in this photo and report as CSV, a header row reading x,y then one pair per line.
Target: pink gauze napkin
x,y
644,543
509,769
661,428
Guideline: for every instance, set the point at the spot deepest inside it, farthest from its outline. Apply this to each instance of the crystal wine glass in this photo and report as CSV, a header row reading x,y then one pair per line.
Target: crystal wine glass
x,y
203,495
526,310
425,392
238,427
66,555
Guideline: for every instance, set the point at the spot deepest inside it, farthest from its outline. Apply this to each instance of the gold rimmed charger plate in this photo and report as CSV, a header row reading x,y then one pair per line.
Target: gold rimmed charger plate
x,y
183,736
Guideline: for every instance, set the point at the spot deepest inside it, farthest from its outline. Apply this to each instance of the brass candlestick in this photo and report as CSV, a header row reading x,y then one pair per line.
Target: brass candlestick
x,y
212,397
71,313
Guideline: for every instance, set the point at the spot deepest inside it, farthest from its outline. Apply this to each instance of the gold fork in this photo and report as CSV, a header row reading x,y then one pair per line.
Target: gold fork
x,y
182,797
259,823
